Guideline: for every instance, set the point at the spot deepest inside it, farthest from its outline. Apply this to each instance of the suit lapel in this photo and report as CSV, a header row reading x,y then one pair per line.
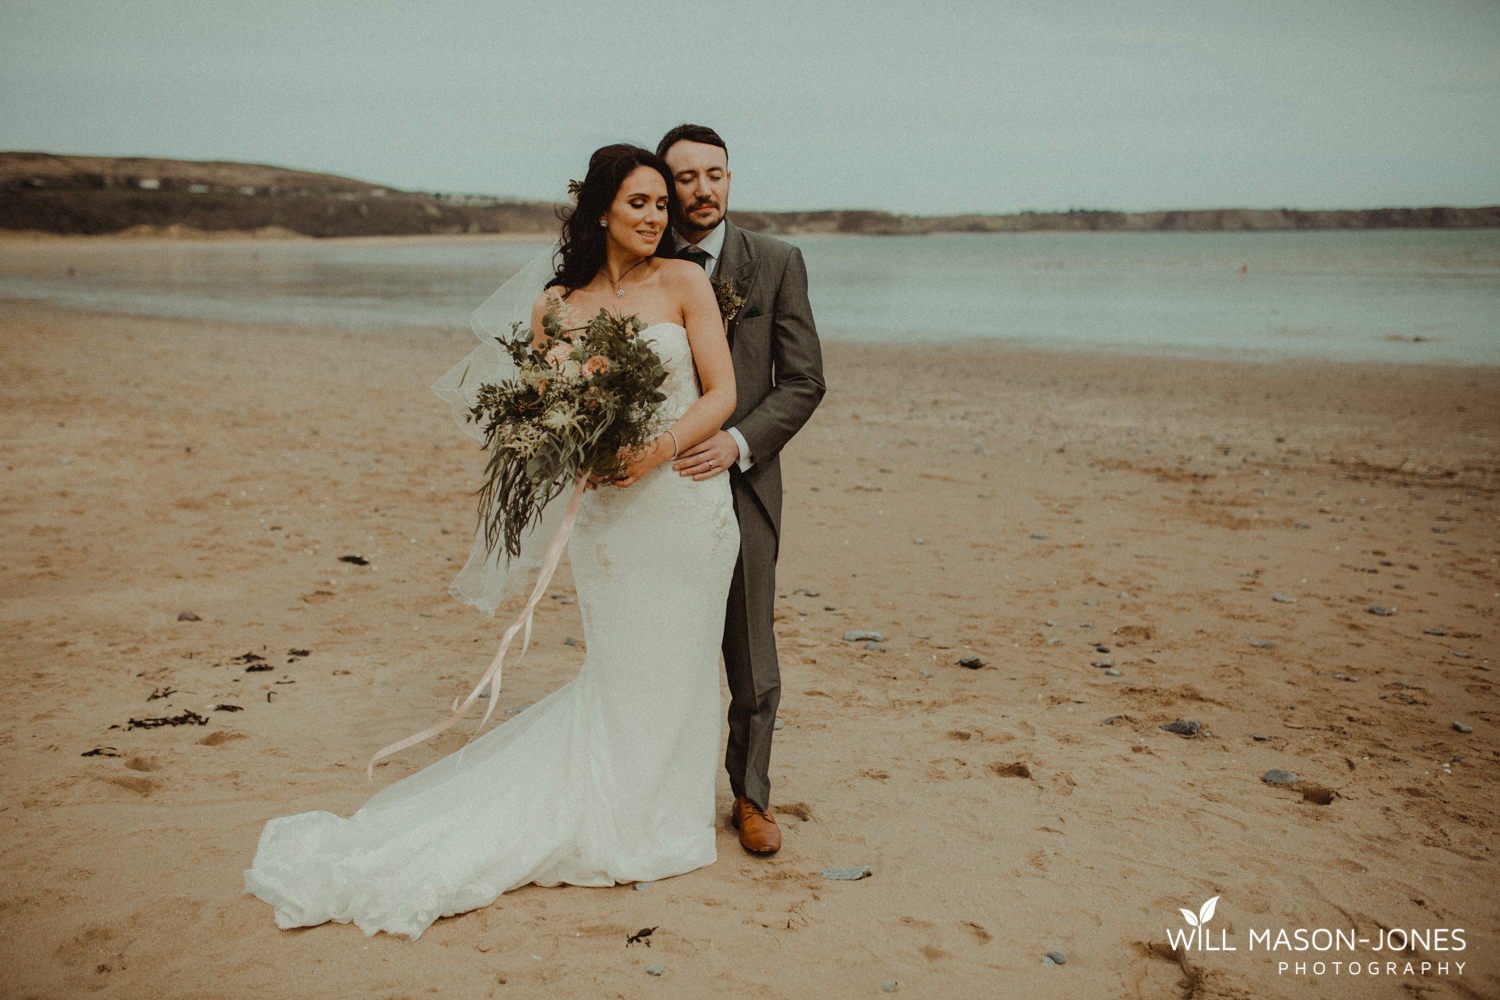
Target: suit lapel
x,y
738,265
736,259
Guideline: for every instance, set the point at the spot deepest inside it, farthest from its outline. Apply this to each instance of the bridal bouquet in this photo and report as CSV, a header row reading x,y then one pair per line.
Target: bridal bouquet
x,y
578,405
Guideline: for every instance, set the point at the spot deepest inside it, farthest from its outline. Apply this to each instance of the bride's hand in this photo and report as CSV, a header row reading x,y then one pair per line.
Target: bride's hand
x,y
643,461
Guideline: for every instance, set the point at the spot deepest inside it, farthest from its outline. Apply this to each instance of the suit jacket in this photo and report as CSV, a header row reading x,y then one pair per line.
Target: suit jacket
x,y
778,364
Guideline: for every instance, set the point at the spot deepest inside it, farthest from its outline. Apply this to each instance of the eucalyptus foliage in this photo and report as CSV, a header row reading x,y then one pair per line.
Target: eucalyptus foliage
x,y
582,401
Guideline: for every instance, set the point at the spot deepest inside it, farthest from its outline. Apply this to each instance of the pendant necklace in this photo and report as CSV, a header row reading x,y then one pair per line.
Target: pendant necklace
x,y
619,285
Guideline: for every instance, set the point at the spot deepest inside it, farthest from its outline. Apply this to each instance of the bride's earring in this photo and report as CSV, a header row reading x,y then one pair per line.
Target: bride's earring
x,y
604,223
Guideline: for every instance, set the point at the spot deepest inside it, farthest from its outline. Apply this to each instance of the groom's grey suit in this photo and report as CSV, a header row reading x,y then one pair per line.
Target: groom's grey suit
x,y
778,373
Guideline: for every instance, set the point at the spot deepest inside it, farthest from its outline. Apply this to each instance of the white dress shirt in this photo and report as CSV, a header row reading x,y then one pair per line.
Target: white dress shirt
x,y
713,245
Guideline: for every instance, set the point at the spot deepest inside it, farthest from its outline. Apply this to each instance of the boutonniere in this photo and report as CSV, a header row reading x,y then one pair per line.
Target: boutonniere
x,y
730,299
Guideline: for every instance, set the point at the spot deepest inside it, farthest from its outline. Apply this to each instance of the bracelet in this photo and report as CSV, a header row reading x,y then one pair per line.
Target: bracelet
x,y
675,447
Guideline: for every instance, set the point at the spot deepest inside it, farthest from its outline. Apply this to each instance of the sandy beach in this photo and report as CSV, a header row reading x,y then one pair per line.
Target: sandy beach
x,y
1221,529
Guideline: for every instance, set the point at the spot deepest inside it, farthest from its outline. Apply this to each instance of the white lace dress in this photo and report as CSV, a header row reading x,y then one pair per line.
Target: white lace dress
x,y
608,779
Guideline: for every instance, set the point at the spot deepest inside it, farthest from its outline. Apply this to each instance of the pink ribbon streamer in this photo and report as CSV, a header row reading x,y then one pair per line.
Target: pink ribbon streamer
x,y
492,675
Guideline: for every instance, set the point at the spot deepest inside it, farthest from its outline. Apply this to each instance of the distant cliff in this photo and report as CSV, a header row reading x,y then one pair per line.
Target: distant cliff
x,y
96,194
88,195
1207,220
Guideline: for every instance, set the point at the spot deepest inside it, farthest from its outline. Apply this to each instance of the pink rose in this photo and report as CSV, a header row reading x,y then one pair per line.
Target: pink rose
x,y
558,354
593,366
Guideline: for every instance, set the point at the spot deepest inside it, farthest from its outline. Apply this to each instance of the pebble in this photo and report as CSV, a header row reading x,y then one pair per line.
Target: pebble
x,y
861,636
1051,624
1283,599
852,874
656,970
1276,776
1057,957
924,673
1463,728
1091,604
188,616
1344,677
642,886
1301,525
1262,643
1259,738
889,986
1101,648
1053,641
1111,672
779,724
518,708
1376,609
972,662
877,647
804,590
569,641
918,541
1040,538
1047,960
1124,596
1459,654
1111,720
1434,631
1182,727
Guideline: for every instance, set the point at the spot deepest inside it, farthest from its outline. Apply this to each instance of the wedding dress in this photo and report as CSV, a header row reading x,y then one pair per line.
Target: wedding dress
x,y
608,779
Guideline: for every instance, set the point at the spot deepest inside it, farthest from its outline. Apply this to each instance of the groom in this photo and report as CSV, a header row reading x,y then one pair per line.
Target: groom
x,y
778,373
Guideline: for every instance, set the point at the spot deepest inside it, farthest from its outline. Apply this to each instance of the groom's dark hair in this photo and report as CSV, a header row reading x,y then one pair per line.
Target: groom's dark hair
x,y
691,133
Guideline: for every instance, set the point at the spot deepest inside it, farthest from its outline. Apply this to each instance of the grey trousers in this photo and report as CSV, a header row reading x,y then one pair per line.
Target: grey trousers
x,y
750,653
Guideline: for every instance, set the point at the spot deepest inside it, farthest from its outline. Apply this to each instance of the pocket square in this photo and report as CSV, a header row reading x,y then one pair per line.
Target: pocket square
x,y
752,311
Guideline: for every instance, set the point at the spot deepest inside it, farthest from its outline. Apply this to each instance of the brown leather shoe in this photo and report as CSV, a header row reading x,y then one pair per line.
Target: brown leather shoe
x,y
759,833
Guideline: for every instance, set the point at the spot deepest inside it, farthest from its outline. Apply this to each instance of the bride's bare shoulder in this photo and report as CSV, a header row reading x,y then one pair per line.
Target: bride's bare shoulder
x,y
553,300
682,273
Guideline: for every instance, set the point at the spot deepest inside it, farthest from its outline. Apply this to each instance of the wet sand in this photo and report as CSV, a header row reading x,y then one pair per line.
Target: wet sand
x,y
1022,507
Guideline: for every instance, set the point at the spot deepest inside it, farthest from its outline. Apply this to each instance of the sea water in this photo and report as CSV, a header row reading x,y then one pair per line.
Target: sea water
x,y
1428,296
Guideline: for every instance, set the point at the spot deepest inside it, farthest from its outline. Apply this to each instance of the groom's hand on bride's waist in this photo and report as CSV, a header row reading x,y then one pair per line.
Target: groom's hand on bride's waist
x,y
709,457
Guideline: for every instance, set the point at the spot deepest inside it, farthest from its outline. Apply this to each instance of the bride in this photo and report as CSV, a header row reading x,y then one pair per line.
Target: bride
x,y
611,777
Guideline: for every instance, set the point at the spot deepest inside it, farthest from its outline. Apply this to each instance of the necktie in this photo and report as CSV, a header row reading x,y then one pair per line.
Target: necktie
x,y
692,253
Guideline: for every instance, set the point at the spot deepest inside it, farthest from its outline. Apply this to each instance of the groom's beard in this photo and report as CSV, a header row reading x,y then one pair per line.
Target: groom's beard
x,y
689,223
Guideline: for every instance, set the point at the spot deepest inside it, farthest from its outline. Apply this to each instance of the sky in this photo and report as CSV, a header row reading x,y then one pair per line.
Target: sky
x,y
921,108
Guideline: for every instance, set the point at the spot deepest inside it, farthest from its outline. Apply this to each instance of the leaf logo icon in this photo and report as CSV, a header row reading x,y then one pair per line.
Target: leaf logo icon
x,y
1204,914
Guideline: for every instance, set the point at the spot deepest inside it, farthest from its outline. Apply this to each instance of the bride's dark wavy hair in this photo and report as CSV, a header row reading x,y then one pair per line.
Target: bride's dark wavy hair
x,y
584,241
